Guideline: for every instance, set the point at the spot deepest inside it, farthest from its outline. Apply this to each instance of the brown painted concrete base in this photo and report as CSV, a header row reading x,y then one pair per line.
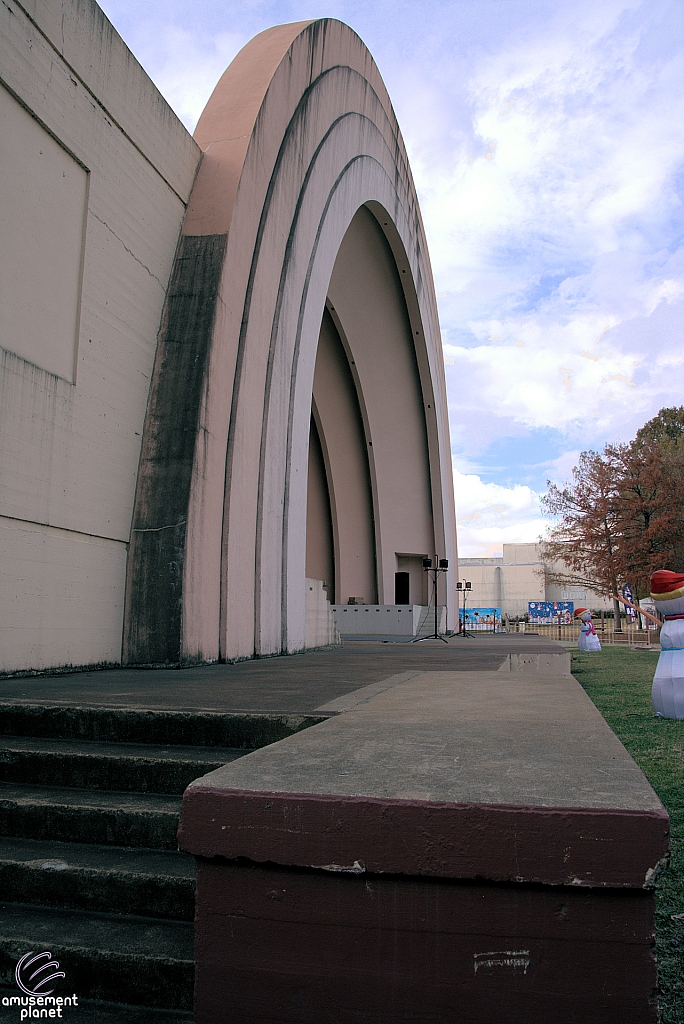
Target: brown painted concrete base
x,y
453,847
311,947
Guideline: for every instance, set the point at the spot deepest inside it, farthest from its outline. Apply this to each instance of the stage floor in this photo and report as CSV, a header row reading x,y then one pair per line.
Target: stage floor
x,y
293,684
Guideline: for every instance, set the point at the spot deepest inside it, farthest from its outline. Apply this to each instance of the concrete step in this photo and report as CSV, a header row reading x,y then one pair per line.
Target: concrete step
x,y
152,883
102,817
426,625
141,725
89,764
134,960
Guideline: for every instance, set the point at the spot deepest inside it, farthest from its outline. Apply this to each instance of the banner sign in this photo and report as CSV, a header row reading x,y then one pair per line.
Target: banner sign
x,y
627,593
481,618
545,613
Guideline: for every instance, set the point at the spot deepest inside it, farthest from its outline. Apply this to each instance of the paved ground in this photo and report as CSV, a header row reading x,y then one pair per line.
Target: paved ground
x,y
298,683
504,738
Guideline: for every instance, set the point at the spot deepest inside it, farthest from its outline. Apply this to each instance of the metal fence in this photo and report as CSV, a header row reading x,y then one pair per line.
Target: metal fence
x,y
629,635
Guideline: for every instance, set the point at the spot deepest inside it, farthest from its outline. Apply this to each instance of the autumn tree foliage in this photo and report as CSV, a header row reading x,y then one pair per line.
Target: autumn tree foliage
x,y
622,516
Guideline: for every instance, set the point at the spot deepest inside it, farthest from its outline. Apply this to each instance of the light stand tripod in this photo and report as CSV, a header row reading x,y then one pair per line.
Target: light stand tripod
x,y
466,587
441,565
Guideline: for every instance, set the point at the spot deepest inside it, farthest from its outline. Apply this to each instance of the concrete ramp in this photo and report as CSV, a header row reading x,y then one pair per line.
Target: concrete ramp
x,y
468,846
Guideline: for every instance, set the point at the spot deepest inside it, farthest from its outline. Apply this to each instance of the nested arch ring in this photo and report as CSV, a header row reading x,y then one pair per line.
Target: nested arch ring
x,y
303,215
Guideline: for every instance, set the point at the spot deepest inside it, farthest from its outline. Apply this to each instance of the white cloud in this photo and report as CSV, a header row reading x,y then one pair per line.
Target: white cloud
x,y
572,138
185,63
490,515
544,375
559,471
546,144
558,218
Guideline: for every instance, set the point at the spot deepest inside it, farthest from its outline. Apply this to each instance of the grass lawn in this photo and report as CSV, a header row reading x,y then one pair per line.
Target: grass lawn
x,y
619,683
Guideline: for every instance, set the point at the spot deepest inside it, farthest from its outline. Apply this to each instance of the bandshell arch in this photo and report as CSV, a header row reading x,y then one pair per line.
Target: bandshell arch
x,y
303,161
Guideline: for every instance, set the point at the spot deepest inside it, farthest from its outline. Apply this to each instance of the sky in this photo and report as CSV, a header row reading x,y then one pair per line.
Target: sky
x,y
547,145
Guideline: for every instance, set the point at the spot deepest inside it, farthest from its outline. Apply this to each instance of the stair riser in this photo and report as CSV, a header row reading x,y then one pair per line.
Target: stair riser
x,y
93,974
87,771
108,892
164,728
89,825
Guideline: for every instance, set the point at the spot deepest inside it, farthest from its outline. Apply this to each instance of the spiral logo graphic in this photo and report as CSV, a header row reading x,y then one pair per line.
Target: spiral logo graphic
x,y
24,978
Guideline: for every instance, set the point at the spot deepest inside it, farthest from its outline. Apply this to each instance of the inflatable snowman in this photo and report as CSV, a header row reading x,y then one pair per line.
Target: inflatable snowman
x,y
667,592
588,639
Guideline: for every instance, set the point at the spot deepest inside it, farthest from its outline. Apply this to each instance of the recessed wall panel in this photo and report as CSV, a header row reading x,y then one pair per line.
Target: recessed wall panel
x,y
42,221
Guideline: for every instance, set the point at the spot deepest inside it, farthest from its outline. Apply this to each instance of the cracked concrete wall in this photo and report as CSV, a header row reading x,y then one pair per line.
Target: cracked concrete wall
x,y
90,137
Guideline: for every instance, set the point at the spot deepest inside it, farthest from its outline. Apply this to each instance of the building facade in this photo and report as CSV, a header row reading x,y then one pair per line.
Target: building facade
x,y
221,370
518,577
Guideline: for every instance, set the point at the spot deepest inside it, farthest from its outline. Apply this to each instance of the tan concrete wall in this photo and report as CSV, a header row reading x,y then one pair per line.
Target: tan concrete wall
x,y
503,583
369,405
583,597
343,437
320,548
298,136
486,592
96,171
419,584
521,553
389,620
580,595
505,586
321,628
368,304
511,582
45,217
519,584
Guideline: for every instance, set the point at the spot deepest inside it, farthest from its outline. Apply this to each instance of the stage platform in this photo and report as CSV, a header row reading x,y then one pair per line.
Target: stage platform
x,y
441,831
295,684
448,845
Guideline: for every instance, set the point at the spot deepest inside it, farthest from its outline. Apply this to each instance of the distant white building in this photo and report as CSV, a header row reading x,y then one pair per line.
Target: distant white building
x,y
515,579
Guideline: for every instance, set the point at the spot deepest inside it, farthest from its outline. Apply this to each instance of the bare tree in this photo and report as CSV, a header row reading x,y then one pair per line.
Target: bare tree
x,y
621,518
585,539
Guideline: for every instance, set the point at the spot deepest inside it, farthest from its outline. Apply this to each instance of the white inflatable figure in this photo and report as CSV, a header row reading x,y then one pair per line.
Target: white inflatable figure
x,y
667,592
588,640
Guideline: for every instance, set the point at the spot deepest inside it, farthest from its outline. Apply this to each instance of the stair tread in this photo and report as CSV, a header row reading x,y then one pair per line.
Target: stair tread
x,y
147,709
114,934
33,795
92,721
210,756
50,855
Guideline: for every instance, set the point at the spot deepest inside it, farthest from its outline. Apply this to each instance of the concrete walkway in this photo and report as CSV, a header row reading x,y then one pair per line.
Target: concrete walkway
x,y
296,684
516,739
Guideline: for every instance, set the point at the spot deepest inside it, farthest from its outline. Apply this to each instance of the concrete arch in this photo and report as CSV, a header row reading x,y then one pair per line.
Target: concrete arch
x,y
302,154
341,431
